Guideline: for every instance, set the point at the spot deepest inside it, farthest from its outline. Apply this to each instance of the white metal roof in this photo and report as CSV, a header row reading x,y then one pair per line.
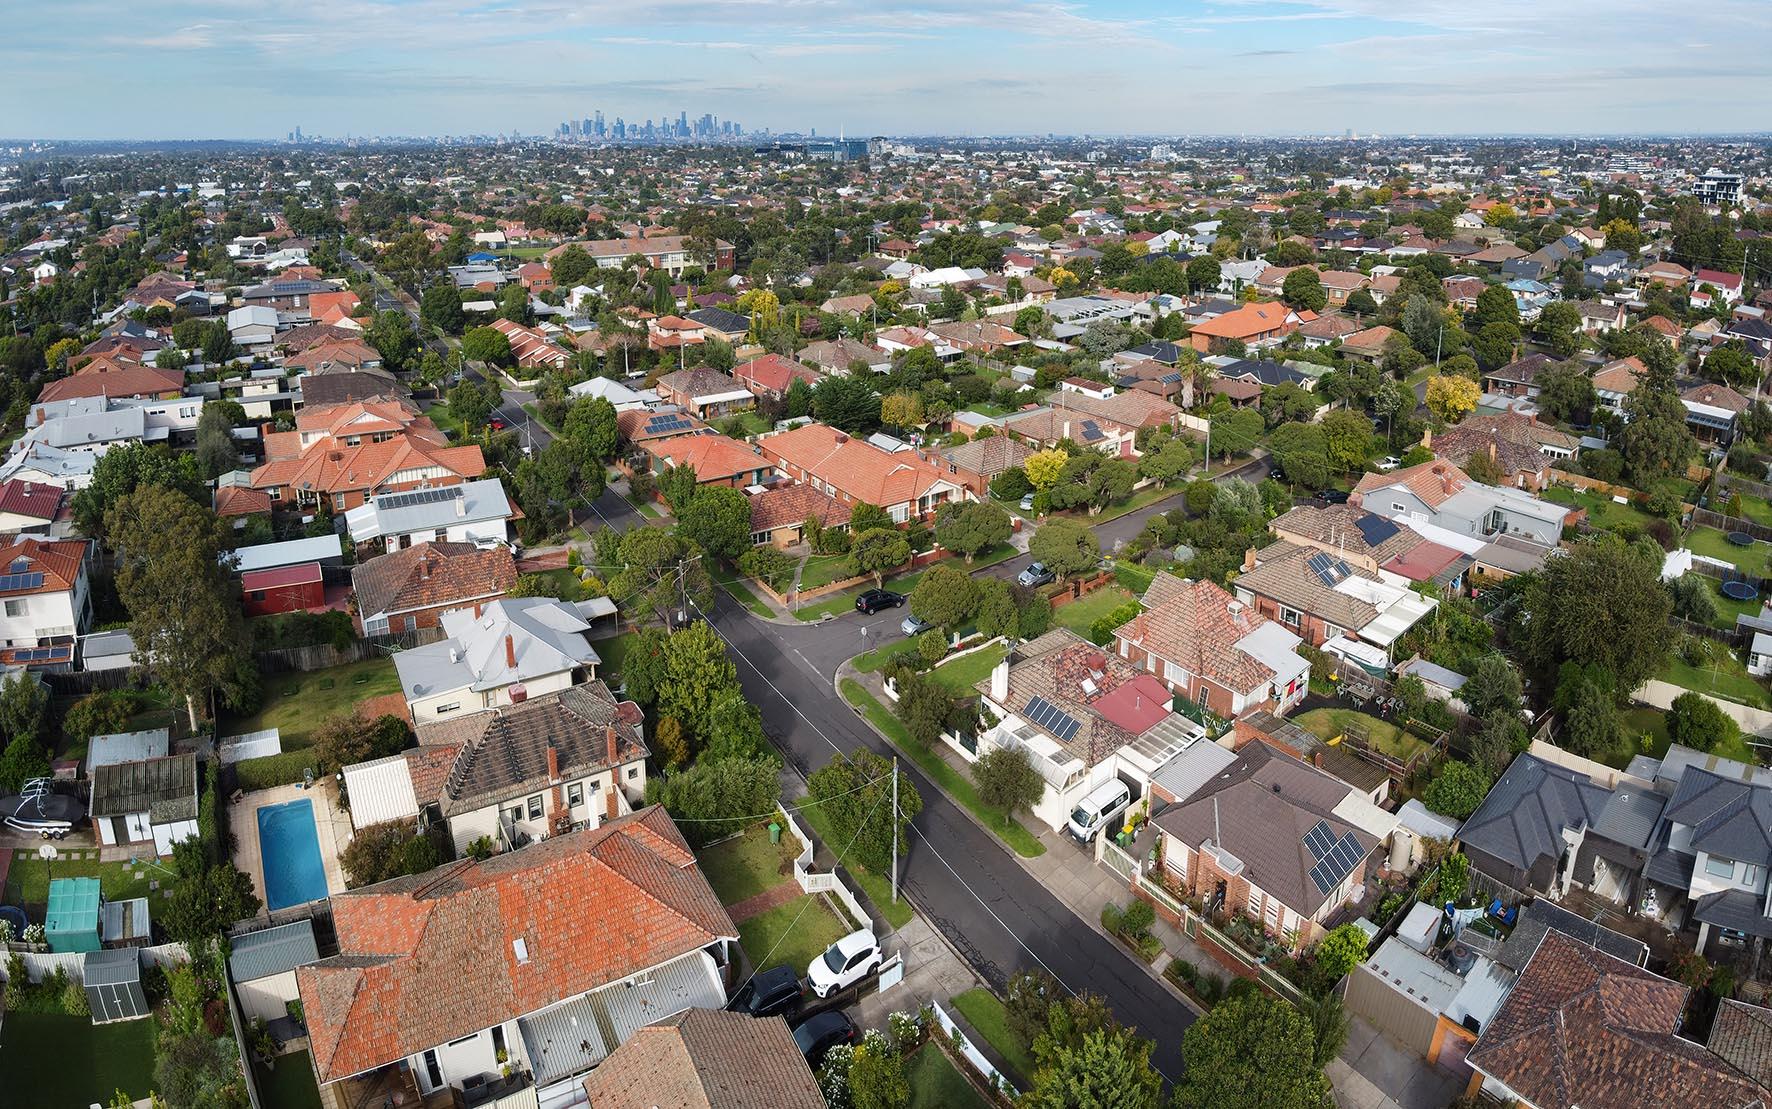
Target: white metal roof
x,y
380,790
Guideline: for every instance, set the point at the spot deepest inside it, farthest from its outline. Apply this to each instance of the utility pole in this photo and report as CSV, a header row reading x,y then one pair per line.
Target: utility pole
x,y
895,829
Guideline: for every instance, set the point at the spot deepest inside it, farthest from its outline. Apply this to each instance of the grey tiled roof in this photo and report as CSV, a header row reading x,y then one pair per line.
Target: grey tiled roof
x,y
1737,909
1522,819
1727,817
1630,816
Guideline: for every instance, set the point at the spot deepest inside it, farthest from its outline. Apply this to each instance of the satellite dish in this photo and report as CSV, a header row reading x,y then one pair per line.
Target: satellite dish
x,y
47,852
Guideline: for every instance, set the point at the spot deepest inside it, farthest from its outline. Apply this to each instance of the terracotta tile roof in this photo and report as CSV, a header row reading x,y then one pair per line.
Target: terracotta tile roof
x,y
1344,528
1433,483
431,575
429,958
59,561
989,456
1716,396
300,338
1054,666
352,353
773,374
1370,341
109,377
713,457
860,470
1133,409
30,498
1582,1028
1330,326
836,354
366,417
699,382
1196,626
792,505
1619,376
241,500
330,467
706,1059
1281,575
1248,321
1511,440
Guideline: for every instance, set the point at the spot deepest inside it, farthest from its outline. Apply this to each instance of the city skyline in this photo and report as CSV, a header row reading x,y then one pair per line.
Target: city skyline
x,y
1255,67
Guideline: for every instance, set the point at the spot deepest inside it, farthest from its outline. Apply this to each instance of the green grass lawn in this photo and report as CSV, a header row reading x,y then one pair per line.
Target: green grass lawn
x,y
1757,509
825,569
51,1059
748,864
1081,614
878,887
839,603
296,704
751,422
878,658
290,1086
792,935
1134,577
1728,608
988,1017
27,884
1729,680
962,674
1387,737
935,1084
1714,544
612,651
565,580
1602,511
957,785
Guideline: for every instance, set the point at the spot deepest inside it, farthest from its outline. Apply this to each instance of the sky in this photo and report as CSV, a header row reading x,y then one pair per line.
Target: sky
x,y
177,69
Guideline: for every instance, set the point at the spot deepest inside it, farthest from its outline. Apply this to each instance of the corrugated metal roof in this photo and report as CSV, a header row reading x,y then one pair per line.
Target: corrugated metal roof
x,y
571,1038
273,951
380,790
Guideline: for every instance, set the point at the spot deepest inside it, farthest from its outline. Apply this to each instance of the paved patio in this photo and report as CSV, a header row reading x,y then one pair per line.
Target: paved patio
x,y
331,823
1373,1072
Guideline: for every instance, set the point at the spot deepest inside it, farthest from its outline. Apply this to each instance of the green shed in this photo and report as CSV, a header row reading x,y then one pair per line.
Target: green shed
x,y
72,920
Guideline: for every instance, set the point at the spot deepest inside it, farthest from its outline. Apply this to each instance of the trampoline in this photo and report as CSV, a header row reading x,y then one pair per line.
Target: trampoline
x,y
1741,539
1740,591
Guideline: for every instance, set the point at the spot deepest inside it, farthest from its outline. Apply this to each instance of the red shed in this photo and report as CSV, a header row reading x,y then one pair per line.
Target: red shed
x,y
295,588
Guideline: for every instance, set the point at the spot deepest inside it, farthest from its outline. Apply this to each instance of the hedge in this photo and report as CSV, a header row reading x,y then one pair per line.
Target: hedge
x,y
273,770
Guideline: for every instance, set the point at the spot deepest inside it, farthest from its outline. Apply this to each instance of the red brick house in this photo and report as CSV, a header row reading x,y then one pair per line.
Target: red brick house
x,y
412,588
855,472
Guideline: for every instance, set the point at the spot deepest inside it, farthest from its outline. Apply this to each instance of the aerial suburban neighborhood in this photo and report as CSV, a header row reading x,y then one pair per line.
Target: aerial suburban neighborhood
x,y
680,614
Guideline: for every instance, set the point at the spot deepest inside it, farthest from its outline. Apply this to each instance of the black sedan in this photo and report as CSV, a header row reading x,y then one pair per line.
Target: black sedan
x,y
820,1032
774,991
876,599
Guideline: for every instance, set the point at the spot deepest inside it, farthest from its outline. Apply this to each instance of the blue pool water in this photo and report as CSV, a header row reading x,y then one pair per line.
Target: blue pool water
x,y
289,847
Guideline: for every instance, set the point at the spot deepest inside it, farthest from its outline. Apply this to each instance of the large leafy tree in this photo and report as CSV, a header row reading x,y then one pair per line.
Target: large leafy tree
x,y
487,344
392,336
1104,1067
593,420
855,792
946,596
659,570
1303,289
1236,431
1495,305
121,471
1007,780
715,797
1065,546
698,677
971,528
718,520
877,551
1657,442
1450,398
1599,604
440,308
1251,1051
1347,439
183,611
1565,391
216,454
846,403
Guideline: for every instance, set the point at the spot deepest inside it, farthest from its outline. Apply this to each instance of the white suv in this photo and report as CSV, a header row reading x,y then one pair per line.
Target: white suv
x,y
844,963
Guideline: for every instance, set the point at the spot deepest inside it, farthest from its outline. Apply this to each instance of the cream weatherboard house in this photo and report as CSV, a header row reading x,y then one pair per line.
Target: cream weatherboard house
x,y
509,651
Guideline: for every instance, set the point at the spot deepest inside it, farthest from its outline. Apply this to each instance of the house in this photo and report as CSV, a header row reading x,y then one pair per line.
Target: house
x,y
414,586
641,426
533,349
1326,330
1712,410
1210,648
503,653
974,464
440,975
977,336
1341,284
860,304
1330,602
1368,345
146,801
836,356
1521,448
706,1059
106,376
1583,1028
1670,275
28,506
525,771
1372,543
1616,380
1597,318
337,476
262,966
1710,852
718,323
854,472
94,425
771,375
477,512
1260,323
535,277
253,328
1518,378
45,601
779,515
1529,830
1266,837
670,253
705,393
1445,496
1083,716
298,588
1727,286
715,459
1530,297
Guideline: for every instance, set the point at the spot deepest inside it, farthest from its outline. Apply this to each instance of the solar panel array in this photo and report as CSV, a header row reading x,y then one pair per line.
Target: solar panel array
x,y
669,421
1052,718
1320,839
1170,379
1338,864
41,654
1376,529
1091,431
418,496
1330,570
12,582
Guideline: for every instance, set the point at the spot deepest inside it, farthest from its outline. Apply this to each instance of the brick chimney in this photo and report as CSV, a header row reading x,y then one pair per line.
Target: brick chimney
x,y
510,652
562,816
1248,560
610,738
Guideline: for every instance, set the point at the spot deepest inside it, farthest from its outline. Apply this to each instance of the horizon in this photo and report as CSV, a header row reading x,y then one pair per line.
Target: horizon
x,y
423,69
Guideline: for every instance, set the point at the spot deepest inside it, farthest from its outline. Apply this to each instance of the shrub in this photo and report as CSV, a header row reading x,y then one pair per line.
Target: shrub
x,y
74,1000
1102,631
1138,917
932,646
272,770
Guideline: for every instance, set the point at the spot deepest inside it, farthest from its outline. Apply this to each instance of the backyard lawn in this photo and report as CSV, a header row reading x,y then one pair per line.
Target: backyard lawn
x,y
565,582
52,1059
1729,608
1134,577
1387,737
296,703
612,651
748,864
1079,615
290,1086
1602,511
27,884
935,1084
962,674
1714,544
792,935
990,1019
1729,680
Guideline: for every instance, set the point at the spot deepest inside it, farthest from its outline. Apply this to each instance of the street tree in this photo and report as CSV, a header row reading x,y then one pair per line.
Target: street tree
x,y
946,596
1007,780
879,551
1236,431
971,528
592,419
392,336
1347,439
440,308
855,793
1451,399
1065,546
1250,1051
718,520
699,676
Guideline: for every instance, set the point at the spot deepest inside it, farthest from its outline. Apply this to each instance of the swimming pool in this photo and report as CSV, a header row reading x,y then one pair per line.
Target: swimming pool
x,y
289,848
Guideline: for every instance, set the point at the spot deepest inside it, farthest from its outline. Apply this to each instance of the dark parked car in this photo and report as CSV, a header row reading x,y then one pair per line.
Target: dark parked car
x,y
820,1032
776,990
1332,496
876,599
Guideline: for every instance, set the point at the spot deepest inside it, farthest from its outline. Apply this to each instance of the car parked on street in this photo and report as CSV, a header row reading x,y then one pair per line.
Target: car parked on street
x,y
1389,462
818,1033
1037,574
774,991
914,625
844,963
876,599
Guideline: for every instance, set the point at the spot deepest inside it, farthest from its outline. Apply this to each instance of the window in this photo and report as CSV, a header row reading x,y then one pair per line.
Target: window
x,y
412,623
376,627
575,795
1719,866
1330,631
535,807
1750,875
1254,901
498,1038
1177,862
1273,915
1291,616
453,706
16,608
513,814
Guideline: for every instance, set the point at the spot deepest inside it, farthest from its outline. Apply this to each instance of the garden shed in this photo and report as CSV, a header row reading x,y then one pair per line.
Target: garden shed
x,y
113,981
71,922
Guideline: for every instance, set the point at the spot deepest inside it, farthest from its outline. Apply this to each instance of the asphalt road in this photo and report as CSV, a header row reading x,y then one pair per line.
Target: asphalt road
x,y
956,874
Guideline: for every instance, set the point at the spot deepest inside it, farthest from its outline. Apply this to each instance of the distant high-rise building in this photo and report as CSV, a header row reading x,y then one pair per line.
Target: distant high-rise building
x,y
600,129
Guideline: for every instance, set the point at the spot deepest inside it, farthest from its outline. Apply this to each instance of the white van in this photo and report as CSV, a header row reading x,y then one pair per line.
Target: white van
x,y
1098,810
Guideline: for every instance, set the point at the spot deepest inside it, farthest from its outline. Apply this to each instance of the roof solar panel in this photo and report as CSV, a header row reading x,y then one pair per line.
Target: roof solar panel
x,y
1375,529
1320,878
1319,839
1053,719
